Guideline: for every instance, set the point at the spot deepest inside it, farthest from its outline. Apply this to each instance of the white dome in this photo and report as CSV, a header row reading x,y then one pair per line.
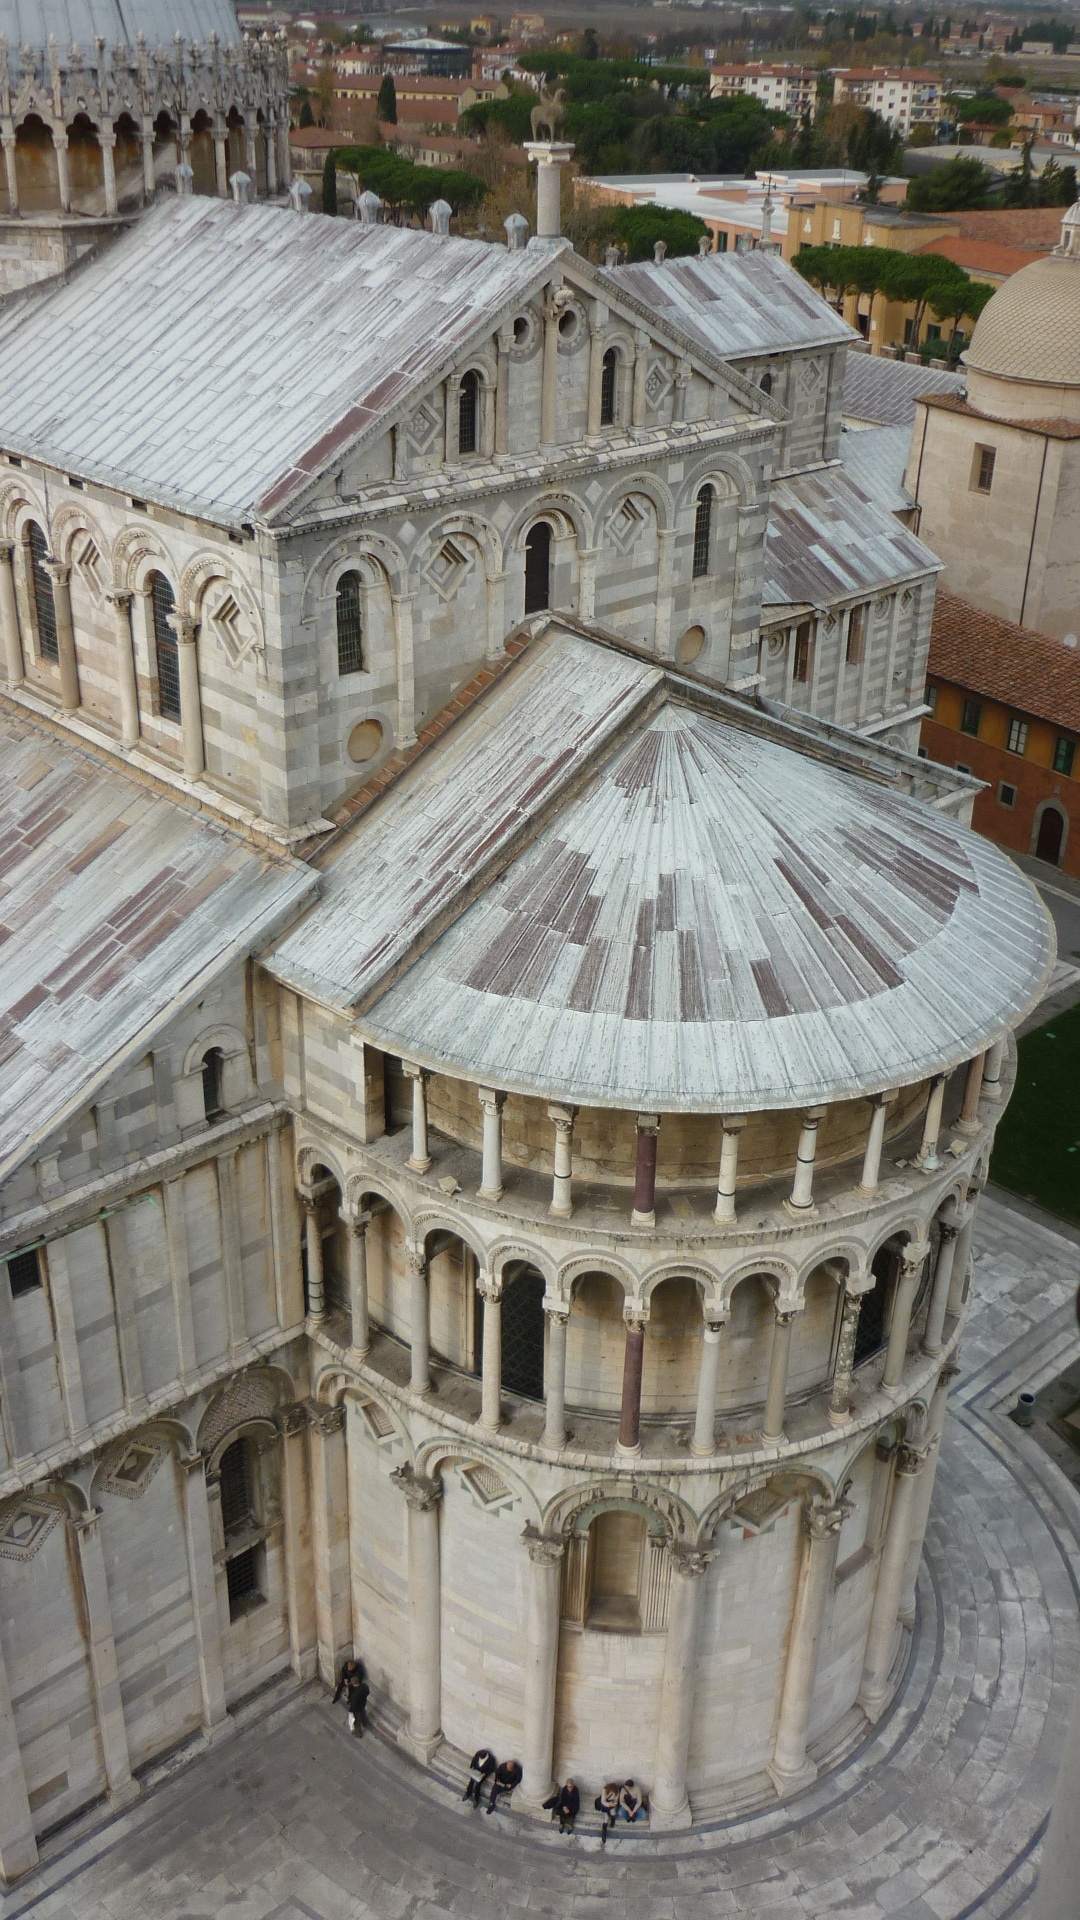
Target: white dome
x,y
1030,330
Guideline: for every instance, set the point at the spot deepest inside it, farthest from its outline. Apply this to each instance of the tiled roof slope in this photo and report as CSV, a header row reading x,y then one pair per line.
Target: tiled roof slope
x,y
1036,227
114,905
875,460
984,654
829,535
884,392
217,357
983,256
117,22
735,304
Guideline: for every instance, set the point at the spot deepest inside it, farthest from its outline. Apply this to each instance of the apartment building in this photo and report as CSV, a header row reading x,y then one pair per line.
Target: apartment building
x,y
905,97
790,90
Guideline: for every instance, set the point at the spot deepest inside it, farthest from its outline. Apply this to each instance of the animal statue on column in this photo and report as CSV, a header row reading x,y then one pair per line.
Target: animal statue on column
x,y
548,114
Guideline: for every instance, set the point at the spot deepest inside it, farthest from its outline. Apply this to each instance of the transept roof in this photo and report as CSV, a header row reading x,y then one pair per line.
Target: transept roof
x,y
736,304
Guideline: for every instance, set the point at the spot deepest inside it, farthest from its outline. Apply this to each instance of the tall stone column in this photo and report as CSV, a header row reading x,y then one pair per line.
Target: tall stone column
x,y
644,1213
928,1157
875,1140
772,1424
126,682
101,1648
935,1427
18,1847
191,721
884,1618
991,1085
541,1665
199,1540
840,1396
549,378
419,1324
63,171
907,1286
147,138
969,1111
292,1422
11,172
356,1225
724,1210
330,1538
491,1183
107,142
270,138
669,1805
221,162
791,1767
60,575
491,1363
14,666
629,1441
562,1205
422,1496
555,1379
934,1331
316,1292
419,1159
801,1202
704,1440
639,397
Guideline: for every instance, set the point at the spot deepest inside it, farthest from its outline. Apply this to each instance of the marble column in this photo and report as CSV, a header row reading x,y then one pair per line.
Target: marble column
x,y
704,1440
791,1767
907,1286
147,138
928,1157
555,1378
639,398
491,1361
107,141
419,1159
292,1424
330,1538
126,681
969,1111
875,1140
419,1324
772,1424
840,1395
491,1183
935,1426
991,1085
18,1847
801,1203
191,721
562,1205
884,1618
221,163
11,172
934,1332
101,1648
504,340
644,1213
724,1210
9,617
199,1540
60,575
63,170
961,1262
669,1806
424,1732
629,1441
270,139
549,378
316,1294
356,1225
541,1665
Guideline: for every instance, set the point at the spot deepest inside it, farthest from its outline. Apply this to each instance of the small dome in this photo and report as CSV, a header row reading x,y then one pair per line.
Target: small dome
x,y
1030,330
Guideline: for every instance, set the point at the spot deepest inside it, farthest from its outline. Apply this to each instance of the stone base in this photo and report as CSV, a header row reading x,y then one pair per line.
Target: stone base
x,y
120,1797
874,1704
840,1419
16,1858
789,1783
800,1213
663,1821
423,1751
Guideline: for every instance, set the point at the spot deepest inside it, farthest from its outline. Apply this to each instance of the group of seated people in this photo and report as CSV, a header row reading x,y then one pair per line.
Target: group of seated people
x,y
617,1800
484,1768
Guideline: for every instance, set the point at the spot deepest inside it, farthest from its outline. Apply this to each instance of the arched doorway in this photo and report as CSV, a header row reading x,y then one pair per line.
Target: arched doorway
x,y
523,1331
1051,836
538,568
36,172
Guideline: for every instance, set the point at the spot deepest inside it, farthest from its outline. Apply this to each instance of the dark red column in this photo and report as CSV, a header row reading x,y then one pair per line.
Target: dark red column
x,y
630,1411
644,1214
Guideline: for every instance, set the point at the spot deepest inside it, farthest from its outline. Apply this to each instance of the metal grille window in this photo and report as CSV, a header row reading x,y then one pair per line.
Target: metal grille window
x,y
538,568
1018,733
1006,794
242,1579
804,653
523,1335
24,1272
42,594
235,1474
1064,754
984,470
469,412
970,717
702,531
166,647
608,387
350,631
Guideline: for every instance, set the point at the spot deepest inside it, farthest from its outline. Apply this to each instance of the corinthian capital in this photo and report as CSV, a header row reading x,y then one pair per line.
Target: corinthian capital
x,y
544,1549
421,1492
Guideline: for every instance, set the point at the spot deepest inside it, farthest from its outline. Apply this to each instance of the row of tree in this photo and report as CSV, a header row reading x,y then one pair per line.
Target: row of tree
x,y
926,281
405,188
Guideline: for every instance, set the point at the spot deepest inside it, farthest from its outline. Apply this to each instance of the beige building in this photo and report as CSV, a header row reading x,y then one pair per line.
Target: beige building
x,y
495,1079
997,473
903,96
784,89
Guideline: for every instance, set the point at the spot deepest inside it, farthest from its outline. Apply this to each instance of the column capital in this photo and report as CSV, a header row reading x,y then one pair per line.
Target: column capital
x,y
911,1460
422,1493
713,1325
85,1524
648,1123
355,1219
326,1420
185,628
491,1099
415,1259
885,1098
489,1286
120,598
563,1117
813,1116
59,571
822,1519
784,1316
733,1122
948,1229
914,1254
544,1549
293,1419
559,1313
7,552
687,1561
636,1317
414,1072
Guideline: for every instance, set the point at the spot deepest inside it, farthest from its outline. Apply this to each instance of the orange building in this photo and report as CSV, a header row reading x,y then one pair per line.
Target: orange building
x,y
1005,706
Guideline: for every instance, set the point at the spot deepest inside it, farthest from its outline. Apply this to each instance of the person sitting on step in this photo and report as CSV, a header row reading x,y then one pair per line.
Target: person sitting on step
x,y
504,1780
607,1806
631,1801
565,1804
481,1767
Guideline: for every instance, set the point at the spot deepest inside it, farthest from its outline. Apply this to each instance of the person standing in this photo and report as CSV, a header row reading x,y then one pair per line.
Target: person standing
x,y
481,1767
504,1780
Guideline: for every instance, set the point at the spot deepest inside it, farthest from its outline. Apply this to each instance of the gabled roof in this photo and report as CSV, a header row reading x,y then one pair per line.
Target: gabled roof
x,y
115,905
875,460
611,885
1023,669
736,304
884,393
117,22
829,536
218,357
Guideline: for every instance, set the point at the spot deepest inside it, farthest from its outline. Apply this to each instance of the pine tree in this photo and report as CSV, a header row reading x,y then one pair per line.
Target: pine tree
x,y
329,182
387,102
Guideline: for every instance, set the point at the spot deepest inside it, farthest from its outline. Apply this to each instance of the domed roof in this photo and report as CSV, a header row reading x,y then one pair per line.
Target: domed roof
x,y
32,23
1030,330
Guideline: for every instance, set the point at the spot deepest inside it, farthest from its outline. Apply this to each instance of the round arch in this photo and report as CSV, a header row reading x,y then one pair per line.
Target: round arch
x,y
443,1451
571,1271
728,474
429,1222
663,1509
308,1157
504,1252
569,516
322,576
778,1276
660,497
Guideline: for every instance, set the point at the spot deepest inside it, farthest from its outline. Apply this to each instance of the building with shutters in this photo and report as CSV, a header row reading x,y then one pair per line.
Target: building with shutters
x,y
500,1033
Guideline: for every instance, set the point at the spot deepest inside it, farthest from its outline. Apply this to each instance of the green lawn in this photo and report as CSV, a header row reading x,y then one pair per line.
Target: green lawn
x,y
1037,1152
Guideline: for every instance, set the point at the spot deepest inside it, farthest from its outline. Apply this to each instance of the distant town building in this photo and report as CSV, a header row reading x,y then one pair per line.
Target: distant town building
x,y
790,90
902,96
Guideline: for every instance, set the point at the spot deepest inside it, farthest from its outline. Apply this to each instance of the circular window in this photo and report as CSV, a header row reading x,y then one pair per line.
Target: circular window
x,y
568,324
691,645
365,741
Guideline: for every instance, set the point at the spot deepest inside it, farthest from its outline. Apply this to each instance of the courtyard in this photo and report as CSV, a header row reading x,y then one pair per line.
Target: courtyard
x,y
937,1815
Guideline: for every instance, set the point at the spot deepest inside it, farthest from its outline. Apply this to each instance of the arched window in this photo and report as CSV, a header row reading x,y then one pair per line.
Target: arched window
x,y
702,531
41,593
874,1313
609,380
166,649
522,1332
350,631
538,568
244,1557
766,382
469,412
212,1070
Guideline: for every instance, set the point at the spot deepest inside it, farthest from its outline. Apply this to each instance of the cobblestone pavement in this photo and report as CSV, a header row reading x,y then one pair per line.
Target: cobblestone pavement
x,y
936,1817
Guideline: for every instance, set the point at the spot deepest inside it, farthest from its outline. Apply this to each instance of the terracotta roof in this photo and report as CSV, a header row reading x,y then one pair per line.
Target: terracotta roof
x,y
1053,429
1023,669
984,256
1038,228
